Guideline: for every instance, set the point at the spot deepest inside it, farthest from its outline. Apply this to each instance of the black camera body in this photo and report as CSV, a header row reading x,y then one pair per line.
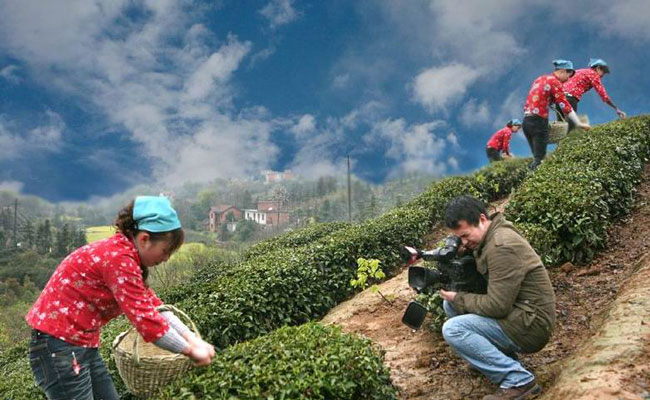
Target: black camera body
x,y
454,272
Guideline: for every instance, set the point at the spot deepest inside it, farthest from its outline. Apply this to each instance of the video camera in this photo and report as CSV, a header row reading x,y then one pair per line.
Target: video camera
x,y
454,272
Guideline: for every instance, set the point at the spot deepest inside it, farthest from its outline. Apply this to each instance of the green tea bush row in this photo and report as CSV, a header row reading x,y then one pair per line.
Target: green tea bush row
x,y
290,286
311,361
565,208
295,238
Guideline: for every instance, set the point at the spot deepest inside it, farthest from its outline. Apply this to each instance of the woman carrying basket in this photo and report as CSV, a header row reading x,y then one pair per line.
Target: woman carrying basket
x,y
545,90
500,142
97,283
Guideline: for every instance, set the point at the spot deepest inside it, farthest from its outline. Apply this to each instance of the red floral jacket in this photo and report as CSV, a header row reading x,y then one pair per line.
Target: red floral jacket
x,y
93,285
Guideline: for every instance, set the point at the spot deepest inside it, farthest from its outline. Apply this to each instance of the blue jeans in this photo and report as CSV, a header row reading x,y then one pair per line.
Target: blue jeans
x,y
52,360
482,343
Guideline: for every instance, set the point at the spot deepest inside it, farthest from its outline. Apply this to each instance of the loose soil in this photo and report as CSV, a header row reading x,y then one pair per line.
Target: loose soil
x,y
600,348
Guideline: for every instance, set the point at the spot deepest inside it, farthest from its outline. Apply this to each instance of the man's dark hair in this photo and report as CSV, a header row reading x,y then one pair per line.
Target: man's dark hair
x,y
464,208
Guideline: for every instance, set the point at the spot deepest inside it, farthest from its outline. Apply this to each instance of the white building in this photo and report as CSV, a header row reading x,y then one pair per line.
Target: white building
x,y
256,216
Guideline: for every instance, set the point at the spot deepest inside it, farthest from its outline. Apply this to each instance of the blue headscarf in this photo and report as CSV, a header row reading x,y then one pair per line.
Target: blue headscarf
x,y
155,214
563,64
598,62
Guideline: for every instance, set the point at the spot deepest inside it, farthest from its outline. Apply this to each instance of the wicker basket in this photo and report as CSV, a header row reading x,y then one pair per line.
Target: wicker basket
x,y
144,367
557,131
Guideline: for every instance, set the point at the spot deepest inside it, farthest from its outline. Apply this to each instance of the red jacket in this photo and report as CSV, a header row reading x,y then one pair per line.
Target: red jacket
x,y
546,89
501,140
582,81
93,285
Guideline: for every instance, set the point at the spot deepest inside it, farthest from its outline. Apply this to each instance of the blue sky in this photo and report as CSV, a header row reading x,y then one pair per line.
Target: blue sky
x,y
99,96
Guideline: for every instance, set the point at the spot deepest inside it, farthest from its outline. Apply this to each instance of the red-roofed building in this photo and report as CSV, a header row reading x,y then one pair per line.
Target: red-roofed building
x,y
219,215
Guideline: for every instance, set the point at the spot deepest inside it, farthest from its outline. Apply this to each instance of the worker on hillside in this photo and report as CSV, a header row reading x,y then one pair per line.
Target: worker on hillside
x,y
547,89
585,79
499,143
97,283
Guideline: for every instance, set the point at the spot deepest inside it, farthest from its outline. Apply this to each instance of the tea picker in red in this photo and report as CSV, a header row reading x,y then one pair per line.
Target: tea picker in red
x,y
585,79
499,144
95,284
547,89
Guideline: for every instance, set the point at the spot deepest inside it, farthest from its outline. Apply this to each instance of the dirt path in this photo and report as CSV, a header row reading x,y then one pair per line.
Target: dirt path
x,y
424,367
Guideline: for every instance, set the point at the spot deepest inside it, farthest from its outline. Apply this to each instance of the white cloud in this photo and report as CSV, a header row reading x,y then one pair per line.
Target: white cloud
x,y
341,81
18,140
161,78
626,19
215,70
415,147
474,113
9,73
12,186
511,108
306,124
437,87
279,12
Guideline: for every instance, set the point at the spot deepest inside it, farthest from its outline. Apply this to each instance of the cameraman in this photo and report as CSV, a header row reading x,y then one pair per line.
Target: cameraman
x,y
517,315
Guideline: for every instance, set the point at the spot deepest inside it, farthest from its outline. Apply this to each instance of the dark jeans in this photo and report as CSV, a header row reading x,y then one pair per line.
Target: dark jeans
x,y
560,115
536,131
493,154
51,361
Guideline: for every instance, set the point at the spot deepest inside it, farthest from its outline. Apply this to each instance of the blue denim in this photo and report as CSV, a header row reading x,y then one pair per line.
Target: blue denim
x,y
482,343
51,360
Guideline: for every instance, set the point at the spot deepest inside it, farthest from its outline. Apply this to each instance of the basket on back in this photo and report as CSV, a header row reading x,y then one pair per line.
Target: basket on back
x,y
144,367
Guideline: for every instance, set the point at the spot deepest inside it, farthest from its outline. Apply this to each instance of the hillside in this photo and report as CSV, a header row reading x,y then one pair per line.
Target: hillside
x,y
424,367
585,204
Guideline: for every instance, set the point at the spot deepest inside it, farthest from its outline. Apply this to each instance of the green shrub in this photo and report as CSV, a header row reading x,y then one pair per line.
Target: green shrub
x,y
295,238
566,207
306,362
17,380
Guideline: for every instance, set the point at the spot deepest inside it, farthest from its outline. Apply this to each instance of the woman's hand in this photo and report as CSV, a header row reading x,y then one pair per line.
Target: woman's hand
x,y
199,354
199,348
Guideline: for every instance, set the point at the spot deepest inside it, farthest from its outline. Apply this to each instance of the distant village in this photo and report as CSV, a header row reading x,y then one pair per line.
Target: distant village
x,y
270,214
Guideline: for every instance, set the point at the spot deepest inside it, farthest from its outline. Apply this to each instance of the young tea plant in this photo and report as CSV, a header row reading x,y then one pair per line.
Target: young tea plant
x,y
368,270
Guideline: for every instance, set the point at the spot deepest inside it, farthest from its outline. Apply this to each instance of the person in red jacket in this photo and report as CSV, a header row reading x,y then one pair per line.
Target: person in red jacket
x,y
547,89
583,81
500,141
95,284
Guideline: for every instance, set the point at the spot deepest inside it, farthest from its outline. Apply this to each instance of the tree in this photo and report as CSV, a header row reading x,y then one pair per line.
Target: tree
x,y
80,239
245,230
28,235
44,237
63,241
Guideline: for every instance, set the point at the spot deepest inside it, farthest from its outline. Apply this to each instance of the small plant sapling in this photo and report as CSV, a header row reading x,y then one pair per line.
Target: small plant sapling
x,y
369,269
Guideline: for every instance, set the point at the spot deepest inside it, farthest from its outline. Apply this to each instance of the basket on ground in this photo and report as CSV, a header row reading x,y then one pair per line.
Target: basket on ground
x,y
144,367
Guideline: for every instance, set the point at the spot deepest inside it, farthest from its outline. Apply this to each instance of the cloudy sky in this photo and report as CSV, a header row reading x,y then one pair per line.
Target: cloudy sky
x,y
99,95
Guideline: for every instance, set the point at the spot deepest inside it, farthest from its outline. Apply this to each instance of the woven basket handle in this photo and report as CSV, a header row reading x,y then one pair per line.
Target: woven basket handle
x,y
163,307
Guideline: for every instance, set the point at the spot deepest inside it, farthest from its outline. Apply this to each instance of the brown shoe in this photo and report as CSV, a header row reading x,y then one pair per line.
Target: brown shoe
x,y
528,391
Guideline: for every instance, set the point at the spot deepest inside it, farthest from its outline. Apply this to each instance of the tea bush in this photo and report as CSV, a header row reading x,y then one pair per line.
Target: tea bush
x,y
295,238
311,361
565,208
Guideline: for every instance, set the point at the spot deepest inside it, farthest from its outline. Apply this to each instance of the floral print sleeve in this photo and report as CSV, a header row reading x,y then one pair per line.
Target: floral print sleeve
x,y
597,83
123,278
557,94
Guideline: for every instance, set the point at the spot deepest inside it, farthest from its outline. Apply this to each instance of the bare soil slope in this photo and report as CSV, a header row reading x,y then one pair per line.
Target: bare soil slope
x,y
601,347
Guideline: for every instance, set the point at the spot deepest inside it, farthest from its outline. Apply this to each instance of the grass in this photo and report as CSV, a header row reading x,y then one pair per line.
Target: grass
x,y
95,233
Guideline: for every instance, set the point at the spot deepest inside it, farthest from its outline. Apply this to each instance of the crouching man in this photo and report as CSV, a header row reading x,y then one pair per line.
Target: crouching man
x,y
517,315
